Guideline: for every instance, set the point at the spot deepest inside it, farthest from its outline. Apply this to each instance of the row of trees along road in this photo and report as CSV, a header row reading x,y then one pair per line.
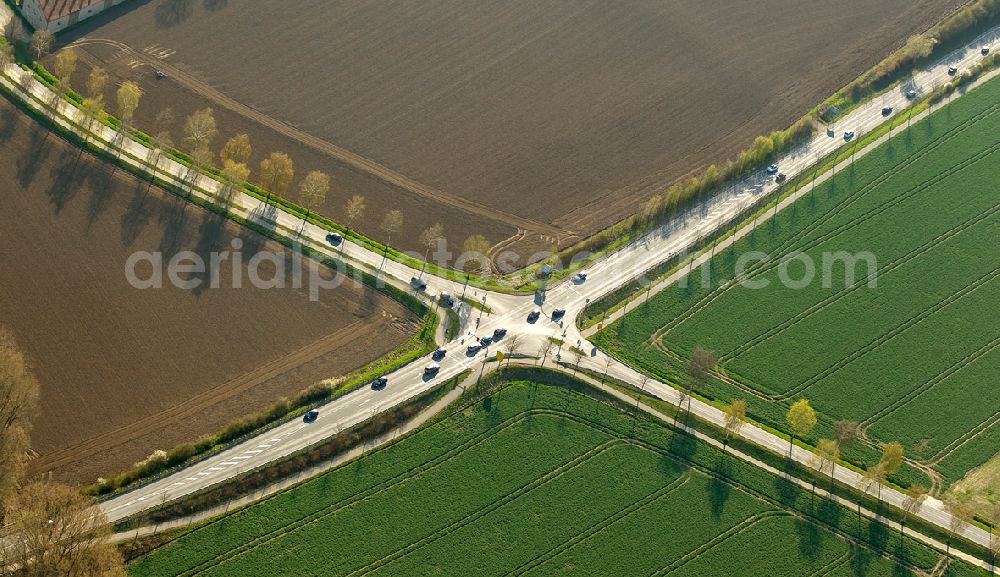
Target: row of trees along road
x,y
801,418
200,130
48,529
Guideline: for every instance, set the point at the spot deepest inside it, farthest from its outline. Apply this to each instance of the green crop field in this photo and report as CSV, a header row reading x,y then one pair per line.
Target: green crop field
x,y
541,480
913,356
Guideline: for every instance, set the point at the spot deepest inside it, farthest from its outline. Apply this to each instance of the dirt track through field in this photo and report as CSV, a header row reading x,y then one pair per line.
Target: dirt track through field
x,y
126,371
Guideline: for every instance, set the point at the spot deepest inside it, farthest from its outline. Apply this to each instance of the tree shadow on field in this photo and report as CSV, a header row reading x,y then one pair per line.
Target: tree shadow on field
x,y
65,179
860,561
214,5
903,561
137,215
172,218
8,124
102,185
173,12
788,492
35,155
810,538
718,487
209,241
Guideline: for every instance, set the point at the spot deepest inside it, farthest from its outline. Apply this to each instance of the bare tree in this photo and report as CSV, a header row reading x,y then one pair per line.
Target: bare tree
x,y
577,358
961,514
355,210
545,349
846,432
511,345
92,110
915,497
736,417
200,129
160,142
201,157
874,476
18,401
312,191
392,223
58,531
41,43
234,174
237,149
276,173
701,364
128,96
474,254
430,238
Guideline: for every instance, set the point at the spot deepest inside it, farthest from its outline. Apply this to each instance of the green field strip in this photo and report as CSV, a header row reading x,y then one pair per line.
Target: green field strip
x,y
771,533
895,331
960,407
615,518
591,492
908,364
495,480
641,546
841,326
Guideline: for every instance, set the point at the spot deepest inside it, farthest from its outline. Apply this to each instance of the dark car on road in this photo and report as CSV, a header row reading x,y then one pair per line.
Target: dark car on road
x,y
886,110
380,383
782,177
310,416
418,283
439,354
558,313
952,70
533,315
848,135
499,333
334,239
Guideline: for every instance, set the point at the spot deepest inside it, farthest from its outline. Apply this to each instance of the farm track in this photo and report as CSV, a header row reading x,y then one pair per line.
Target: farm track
x,y
471,518
763,267
717,540
352,159
600,526
198,403
372,491
847,291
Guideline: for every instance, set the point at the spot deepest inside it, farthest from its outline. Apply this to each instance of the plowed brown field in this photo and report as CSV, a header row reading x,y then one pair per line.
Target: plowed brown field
x,y
127,371
552,116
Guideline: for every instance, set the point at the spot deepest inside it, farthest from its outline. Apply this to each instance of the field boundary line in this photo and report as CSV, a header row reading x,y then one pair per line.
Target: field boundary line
x,y
762,267
600,526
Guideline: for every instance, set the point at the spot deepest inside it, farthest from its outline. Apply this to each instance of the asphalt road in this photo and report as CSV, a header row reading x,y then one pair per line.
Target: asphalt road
x,y
508,311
